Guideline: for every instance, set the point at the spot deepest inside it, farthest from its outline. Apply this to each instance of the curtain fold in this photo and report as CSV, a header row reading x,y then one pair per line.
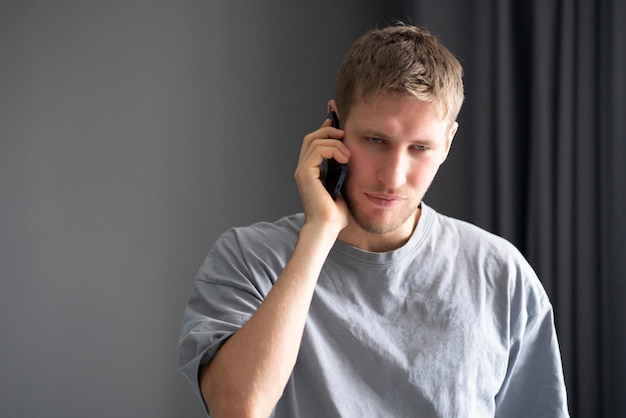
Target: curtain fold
x,y
612,222
546,115
563,186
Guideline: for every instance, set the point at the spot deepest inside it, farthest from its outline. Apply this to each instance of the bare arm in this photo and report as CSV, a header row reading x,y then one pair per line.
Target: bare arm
x,y
248,374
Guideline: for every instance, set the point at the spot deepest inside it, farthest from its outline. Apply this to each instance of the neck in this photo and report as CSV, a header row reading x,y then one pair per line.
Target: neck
x,y
359,237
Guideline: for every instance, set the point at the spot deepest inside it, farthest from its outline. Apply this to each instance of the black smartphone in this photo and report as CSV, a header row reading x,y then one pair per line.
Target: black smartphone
x,y
333,173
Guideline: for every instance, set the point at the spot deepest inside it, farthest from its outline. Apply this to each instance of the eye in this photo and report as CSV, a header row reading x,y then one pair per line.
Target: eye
x,y
375,140
419,147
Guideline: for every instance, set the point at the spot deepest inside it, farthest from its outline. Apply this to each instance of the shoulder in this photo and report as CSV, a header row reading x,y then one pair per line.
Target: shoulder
x,y
280,233
472,239
494,258
258,249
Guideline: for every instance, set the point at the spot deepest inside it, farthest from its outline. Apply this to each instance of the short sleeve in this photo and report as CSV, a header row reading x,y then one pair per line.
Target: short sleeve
x,y
222,299
534,384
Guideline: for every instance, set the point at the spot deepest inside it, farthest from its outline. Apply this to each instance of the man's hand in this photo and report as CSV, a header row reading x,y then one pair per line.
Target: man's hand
x,y
319,207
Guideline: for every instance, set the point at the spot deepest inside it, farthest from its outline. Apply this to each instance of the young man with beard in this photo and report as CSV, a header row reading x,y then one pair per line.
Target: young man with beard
x,y
374,304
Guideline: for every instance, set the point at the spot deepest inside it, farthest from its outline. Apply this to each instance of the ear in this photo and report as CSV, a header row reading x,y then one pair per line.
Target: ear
x,y
332,106
450,137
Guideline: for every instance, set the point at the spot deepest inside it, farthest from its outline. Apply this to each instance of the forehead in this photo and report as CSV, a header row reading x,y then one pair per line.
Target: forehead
x,y
374,95
395,113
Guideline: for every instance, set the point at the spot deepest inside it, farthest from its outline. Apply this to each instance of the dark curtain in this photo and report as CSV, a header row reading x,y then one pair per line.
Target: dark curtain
x,y
544,118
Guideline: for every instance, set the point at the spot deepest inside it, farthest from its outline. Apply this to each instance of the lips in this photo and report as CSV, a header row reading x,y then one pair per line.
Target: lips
x,y
385,200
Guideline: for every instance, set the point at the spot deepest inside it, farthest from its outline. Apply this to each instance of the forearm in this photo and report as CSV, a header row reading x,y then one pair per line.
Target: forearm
x,y
249,373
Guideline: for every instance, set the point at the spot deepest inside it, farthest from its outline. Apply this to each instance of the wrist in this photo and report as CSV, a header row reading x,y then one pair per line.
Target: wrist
x,y
326,231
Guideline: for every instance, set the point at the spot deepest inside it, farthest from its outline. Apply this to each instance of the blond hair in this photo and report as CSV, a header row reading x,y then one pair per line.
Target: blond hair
x,y
400,59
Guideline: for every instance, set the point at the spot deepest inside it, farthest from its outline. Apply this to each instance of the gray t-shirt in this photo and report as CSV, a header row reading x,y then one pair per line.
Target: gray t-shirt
x,y
454,323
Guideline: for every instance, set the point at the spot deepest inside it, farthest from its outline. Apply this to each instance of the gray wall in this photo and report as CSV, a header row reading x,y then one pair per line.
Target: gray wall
x,y
131,135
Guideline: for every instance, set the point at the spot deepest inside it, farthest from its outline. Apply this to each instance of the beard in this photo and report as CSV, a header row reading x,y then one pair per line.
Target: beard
x,y
374,224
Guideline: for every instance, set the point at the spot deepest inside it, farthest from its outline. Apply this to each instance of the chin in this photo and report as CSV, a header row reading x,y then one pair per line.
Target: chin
x,y
382,224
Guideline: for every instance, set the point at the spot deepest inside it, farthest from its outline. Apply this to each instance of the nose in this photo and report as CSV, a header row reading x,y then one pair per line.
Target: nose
x,y
393,171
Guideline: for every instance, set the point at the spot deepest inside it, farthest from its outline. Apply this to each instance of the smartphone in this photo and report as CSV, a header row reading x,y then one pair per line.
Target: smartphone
x,y
333,173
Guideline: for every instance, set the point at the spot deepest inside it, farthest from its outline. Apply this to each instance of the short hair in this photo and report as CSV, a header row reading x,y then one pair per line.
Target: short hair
x,y
400,59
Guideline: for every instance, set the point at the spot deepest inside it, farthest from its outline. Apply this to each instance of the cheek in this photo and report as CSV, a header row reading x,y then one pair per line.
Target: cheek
x,y
422,173
359,165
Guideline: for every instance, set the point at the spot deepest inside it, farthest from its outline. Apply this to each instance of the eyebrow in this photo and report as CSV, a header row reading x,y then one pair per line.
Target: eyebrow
x,y
374,134
371,133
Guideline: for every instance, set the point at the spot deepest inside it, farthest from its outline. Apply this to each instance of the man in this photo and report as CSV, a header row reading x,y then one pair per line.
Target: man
x,y
373,304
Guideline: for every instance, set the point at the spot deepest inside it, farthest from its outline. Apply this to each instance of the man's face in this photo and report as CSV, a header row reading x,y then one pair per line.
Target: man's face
x,y
397,144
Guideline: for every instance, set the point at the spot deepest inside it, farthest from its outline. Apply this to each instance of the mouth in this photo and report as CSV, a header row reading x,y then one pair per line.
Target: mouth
x,y
385,200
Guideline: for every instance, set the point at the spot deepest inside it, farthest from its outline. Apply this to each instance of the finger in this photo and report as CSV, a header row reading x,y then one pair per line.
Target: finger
x,y
324,133
322,149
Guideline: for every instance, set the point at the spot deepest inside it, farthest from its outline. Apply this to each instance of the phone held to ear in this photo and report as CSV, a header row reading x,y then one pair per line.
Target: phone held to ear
x,y
333,173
